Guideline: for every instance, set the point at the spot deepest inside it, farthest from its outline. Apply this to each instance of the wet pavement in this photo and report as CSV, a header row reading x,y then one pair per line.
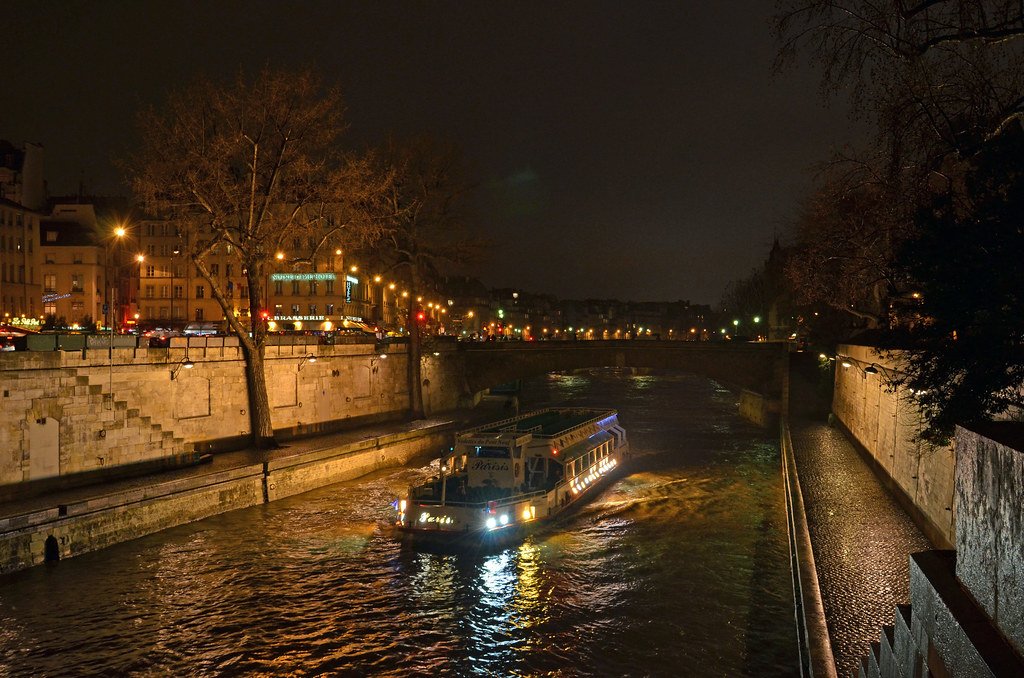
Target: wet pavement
x,y
861,536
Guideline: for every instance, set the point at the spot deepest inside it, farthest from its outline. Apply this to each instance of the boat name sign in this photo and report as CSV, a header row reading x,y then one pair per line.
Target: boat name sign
x,y
488,465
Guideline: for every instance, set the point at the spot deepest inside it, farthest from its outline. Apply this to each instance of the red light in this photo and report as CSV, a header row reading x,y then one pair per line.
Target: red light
x,y
264,314
420,316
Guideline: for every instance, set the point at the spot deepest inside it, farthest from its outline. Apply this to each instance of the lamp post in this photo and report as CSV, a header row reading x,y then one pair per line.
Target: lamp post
x,y
138,293
119,233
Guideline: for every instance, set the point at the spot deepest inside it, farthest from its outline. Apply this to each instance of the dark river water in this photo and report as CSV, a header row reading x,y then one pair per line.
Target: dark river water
x,y
679,569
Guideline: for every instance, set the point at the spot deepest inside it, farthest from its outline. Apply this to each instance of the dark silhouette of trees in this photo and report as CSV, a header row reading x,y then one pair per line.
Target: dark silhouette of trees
x,y
942,84
248,169
964,350
847,243
424,229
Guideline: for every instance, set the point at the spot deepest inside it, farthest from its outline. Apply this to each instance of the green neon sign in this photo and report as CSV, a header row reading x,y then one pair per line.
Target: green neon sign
x,y
289,277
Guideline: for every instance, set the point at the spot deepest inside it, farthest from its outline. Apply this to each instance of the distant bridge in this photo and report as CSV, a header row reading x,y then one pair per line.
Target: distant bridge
x,y
759,368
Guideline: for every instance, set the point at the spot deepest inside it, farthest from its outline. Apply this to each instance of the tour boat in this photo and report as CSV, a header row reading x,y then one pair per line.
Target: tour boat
x,y
502,480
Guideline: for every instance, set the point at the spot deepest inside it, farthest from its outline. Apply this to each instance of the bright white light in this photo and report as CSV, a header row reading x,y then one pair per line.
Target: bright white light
x,y
491,523
504,519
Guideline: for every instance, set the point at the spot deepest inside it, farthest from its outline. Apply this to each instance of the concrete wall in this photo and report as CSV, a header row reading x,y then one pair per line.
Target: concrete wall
x,y
128,410
885,422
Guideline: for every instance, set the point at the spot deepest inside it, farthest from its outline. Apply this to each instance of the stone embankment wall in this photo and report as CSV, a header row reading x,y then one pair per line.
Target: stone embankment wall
x,y
966,612
885,422
52,532
69,412
990,525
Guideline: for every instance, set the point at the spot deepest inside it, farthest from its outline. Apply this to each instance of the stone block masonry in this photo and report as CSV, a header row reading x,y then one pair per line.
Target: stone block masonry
x,y
64,413
884,422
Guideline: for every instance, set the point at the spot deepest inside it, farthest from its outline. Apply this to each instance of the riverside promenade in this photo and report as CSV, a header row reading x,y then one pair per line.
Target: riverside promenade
x,y
861,538
218,463
66,522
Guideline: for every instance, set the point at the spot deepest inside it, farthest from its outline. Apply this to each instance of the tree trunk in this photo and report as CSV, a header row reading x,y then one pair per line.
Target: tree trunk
x,y
415,348
259,404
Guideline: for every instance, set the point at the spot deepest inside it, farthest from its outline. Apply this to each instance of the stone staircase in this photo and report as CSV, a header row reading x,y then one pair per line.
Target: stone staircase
x,y
943,632
124,436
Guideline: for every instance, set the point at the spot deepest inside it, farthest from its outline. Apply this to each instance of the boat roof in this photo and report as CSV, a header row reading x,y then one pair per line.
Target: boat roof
x,y
548,422
582,447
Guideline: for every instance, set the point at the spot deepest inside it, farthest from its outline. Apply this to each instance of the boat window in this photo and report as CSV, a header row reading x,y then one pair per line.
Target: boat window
x,y
492,452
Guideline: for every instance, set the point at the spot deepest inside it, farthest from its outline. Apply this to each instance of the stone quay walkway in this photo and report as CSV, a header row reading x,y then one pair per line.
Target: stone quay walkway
x,y
222,462
861,538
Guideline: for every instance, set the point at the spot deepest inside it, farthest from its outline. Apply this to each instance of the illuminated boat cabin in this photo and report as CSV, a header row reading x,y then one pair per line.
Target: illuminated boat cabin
x,y
516,471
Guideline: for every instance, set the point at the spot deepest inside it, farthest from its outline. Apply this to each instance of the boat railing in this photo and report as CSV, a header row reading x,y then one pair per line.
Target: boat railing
x,y
577,427
504,422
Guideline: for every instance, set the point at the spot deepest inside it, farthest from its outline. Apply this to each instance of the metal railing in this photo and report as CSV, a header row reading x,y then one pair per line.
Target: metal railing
x,y
816,658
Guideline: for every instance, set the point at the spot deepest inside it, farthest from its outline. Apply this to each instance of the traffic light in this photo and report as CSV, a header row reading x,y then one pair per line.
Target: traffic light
x,y
421,316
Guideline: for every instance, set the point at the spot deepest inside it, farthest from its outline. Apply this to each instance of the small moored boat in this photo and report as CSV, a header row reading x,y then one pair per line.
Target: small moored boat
x,y
502,480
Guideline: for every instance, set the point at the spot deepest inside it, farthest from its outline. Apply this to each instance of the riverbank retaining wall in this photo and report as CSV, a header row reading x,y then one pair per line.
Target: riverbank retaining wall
x,y
65,413
966,611
884,422
52,532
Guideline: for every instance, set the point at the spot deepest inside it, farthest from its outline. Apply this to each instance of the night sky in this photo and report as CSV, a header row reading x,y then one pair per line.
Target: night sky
x,y
623,149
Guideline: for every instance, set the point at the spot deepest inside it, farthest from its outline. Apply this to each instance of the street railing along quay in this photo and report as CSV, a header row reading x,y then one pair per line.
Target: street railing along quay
x,y
816,658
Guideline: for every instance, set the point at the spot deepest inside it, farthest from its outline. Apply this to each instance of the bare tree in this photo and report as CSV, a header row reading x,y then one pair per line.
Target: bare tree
x,y
848,237
948,74
942,82
246,170
424,229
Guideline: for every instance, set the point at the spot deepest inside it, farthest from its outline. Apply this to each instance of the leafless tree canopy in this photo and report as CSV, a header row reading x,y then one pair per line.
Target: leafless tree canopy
x,y
249,169
938,79
424,225
948,73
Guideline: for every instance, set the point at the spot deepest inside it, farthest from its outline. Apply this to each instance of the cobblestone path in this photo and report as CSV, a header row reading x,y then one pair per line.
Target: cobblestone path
x,y
861,539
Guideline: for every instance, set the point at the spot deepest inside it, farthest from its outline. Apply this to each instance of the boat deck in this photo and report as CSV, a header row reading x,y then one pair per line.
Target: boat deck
x,y
545,423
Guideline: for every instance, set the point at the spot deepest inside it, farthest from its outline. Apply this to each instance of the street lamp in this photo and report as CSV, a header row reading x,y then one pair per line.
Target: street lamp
x,y
119,233
186,363
138,293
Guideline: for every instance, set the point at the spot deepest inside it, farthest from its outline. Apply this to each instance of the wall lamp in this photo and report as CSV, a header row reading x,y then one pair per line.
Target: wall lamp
x,y
871,369
186,363
308,358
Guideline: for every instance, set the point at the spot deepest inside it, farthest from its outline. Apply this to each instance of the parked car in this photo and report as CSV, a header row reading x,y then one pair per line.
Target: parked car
x,y
160,337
